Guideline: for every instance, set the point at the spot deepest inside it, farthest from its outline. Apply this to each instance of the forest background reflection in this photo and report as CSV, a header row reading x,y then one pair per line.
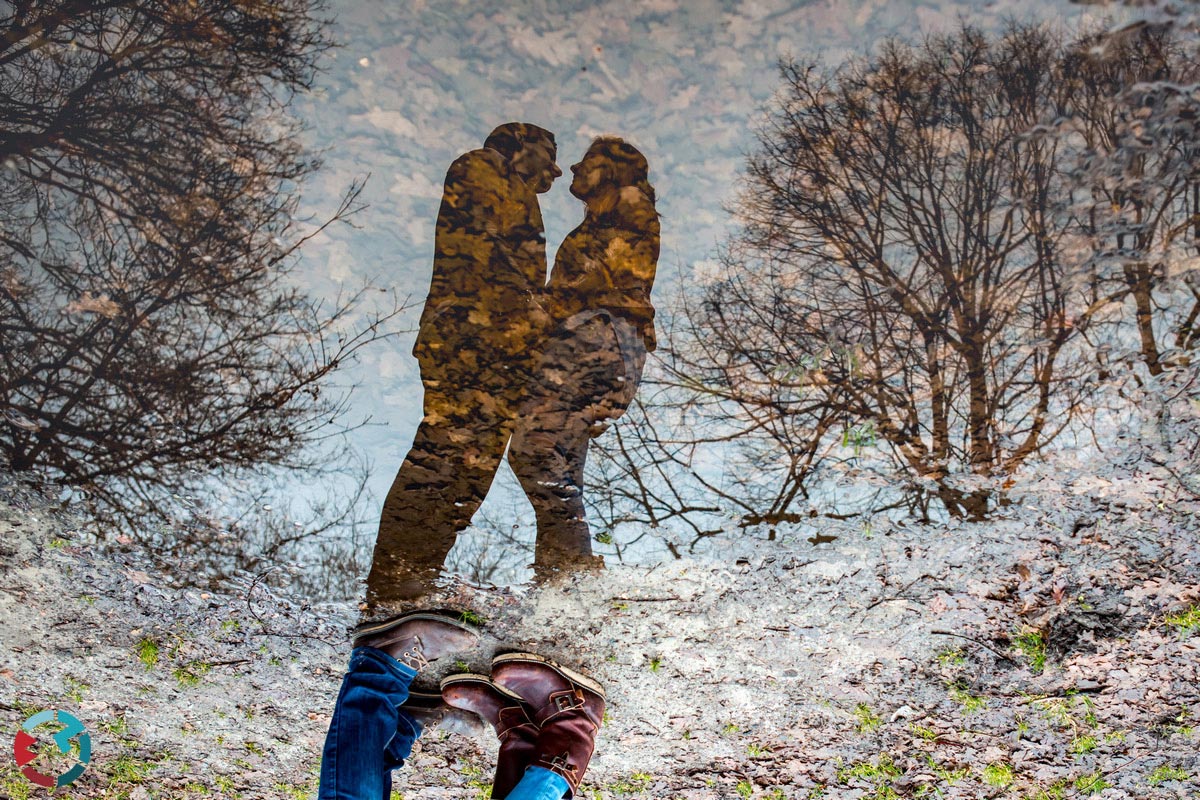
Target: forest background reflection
x,y
409,89
686,82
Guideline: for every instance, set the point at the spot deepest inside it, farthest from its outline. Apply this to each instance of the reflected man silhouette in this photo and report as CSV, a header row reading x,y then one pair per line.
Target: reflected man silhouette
x,y
482,318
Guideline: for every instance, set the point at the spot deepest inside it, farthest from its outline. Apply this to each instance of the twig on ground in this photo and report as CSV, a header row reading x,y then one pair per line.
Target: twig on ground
x,y
898,593
1117,768
976,641
229,662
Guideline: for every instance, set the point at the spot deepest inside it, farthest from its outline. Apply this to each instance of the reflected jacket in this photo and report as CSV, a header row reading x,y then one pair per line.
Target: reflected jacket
x,y
489,267
608,263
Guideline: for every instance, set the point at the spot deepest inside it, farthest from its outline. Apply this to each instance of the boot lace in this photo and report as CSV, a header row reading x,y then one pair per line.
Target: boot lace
x,y
414,656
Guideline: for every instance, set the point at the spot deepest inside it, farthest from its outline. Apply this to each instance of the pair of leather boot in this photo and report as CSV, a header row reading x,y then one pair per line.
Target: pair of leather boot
x,y
545,715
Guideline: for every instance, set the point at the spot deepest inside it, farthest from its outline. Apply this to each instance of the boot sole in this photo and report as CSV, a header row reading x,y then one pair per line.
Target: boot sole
x,y
426,701
475,677
572,675
395,622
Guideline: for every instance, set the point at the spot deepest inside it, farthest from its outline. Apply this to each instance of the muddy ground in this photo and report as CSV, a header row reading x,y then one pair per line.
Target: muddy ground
x,y
1053,653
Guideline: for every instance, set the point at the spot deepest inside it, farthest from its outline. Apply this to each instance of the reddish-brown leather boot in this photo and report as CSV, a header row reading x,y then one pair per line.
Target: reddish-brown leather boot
x,y
569,708
507,714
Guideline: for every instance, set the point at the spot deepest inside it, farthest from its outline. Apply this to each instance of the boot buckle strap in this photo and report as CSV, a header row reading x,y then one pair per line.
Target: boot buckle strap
x,y
562,763
568,700
511,719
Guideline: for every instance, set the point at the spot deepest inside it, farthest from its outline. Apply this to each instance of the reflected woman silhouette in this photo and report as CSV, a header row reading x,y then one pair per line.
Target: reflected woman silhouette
x,y
590,365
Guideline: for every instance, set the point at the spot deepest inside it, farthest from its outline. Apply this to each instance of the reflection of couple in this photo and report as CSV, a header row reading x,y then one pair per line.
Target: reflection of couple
x,y
507,359
506,356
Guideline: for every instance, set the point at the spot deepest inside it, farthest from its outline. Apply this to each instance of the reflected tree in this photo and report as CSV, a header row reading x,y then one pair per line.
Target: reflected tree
x,y
914,275
1138,140
151,338
1135,126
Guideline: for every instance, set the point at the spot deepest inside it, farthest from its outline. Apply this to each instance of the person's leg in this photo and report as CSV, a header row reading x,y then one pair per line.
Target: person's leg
x,y
439,487
580,370
540,783
623,375
372,731
408,730
368,723
547,454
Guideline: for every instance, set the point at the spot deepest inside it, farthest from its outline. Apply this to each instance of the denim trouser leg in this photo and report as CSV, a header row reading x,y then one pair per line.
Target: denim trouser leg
x,y
540,784
369,735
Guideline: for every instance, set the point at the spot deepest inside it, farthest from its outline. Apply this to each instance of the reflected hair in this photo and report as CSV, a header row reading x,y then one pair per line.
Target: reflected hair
x,y
627,165
511,137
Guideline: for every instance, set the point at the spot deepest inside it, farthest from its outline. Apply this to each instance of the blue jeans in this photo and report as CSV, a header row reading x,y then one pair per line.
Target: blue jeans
x,y
370,735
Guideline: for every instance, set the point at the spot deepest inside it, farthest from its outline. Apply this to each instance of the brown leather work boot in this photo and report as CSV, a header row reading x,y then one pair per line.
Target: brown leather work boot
x,y
418,637
507,714
569,708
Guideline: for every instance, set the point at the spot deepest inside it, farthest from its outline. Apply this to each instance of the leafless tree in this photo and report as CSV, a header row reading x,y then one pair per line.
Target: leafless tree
x,y
151,339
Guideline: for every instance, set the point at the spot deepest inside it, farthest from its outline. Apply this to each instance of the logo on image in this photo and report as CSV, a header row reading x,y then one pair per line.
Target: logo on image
x,y
23,747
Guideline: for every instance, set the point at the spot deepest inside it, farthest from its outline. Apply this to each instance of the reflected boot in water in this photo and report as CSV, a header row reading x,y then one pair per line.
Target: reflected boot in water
x,y
564,547
564,540
430,711
395,578
569,708
509,717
